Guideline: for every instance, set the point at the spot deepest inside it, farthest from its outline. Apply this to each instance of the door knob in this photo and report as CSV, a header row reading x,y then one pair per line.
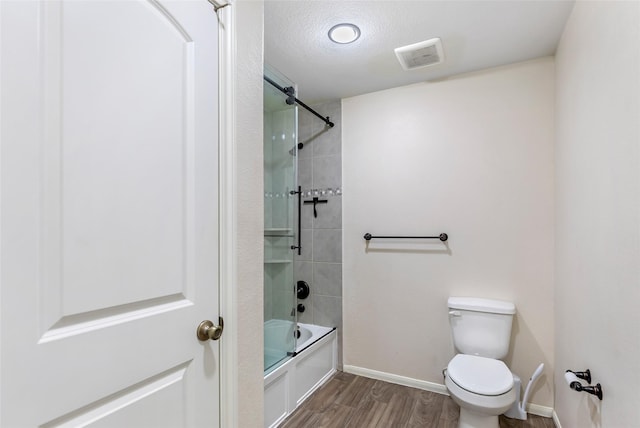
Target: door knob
x,y
208,330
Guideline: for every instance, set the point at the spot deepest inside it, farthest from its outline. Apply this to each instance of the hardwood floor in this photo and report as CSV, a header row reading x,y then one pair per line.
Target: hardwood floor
x,y
359,402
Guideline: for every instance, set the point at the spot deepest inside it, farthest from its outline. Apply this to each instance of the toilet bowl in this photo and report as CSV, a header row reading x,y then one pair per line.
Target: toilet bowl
x,y
482,387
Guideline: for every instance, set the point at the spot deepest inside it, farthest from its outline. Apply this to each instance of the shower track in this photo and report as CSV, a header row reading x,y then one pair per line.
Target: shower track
x,y
291,99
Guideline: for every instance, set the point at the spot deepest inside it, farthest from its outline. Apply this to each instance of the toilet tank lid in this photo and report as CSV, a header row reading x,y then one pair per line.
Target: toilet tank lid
x,y
482,305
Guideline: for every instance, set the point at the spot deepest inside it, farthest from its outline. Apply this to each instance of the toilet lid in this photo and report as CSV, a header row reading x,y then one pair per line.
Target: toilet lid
x,y
480,375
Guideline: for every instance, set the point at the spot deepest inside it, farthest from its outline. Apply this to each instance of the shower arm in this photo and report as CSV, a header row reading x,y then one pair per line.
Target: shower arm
x,y
291,99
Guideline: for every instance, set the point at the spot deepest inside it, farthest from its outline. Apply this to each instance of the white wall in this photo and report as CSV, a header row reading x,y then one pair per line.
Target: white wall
x,y
248,231
471,156
598,213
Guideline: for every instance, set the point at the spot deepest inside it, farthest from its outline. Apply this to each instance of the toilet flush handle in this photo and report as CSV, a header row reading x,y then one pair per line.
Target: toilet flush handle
x,y
454,313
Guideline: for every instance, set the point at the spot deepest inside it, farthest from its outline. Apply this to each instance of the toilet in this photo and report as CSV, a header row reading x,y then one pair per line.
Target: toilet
x,y
476,378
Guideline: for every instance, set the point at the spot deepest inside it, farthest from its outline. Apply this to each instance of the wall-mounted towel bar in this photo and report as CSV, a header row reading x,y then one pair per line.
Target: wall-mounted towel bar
x,y
443,237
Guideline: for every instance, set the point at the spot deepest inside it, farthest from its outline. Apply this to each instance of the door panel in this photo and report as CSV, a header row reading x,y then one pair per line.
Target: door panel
x,y
109,213
121,168
147,398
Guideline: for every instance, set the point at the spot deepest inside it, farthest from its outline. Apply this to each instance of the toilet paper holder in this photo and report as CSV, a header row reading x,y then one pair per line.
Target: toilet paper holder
x,y
585,375
572,379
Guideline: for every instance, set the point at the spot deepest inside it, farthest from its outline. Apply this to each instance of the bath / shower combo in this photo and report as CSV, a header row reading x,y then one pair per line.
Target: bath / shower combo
x,y
298,357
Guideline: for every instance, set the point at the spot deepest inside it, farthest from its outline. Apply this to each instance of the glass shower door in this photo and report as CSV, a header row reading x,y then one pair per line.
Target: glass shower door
x,y
280,218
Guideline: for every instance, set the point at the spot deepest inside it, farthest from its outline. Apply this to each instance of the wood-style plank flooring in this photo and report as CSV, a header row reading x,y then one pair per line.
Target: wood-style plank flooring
x,y
348,400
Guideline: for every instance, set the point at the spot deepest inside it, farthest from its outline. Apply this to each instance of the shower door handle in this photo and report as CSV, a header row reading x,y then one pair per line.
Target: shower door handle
x,y
299,246
208,330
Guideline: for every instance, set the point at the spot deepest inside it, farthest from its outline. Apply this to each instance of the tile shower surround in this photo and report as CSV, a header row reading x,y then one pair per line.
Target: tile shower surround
x,y
320,264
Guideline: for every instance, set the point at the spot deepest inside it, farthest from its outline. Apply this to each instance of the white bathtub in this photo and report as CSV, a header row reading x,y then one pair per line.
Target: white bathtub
x,y
289,384
310,333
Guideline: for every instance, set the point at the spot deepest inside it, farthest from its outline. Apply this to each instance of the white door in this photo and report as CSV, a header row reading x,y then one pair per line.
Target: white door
x,y
109,220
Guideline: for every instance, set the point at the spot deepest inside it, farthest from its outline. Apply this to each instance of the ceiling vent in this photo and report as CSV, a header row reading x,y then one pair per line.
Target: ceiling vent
x,y
422,54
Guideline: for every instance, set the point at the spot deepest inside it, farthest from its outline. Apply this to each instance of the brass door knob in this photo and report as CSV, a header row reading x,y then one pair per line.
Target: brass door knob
x,y
208,330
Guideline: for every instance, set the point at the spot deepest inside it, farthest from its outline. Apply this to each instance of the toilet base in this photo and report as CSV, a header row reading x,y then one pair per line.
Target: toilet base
x,y
471,419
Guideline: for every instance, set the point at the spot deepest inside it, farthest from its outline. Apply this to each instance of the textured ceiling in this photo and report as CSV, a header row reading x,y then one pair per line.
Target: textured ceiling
x,y
475,35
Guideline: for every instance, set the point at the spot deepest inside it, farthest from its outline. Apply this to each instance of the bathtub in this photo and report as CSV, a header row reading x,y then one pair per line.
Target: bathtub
x,y
312,364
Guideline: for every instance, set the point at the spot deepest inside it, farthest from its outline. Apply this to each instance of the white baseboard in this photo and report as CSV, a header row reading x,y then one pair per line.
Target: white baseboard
x,y
538,410
534,409
556,420
399,380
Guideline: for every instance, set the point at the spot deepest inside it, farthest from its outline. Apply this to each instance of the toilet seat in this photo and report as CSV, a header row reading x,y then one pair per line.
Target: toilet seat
x,y
480,375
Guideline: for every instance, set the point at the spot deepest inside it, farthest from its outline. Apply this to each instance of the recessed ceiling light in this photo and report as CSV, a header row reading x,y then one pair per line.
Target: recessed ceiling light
x,y
344,33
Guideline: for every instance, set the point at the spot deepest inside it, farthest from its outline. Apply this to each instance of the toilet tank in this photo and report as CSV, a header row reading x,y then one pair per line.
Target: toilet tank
x,y
481,326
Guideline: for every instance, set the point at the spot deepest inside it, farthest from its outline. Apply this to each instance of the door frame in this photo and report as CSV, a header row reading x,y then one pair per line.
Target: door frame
x,y
227,214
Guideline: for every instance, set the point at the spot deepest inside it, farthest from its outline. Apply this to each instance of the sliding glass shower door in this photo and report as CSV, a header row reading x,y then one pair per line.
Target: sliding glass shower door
x,y
280,221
